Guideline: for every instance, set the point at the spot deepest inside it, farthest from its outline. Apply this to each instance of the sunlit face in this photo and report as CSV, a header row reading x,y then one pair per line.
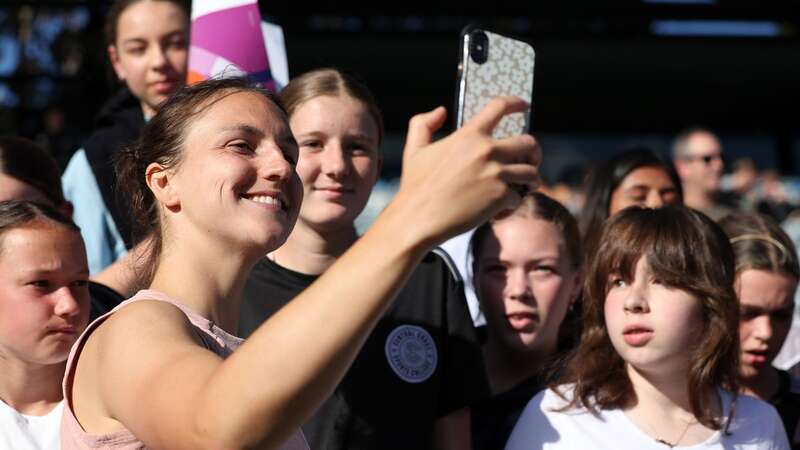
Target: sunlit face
x,y
14,189
150,52
702,166
766,302
648,187
236,180
652,325
526,282
44,297
339,160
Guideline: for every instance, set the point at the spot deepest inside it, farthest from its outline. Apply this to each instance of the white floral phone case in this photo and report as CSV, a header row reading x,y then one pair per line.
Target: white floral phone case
x,y
507,70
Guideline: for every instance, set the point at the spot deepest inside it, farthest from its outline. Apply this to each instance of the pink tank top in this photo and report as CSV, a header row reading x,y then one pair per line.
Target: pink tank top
x,y
73,437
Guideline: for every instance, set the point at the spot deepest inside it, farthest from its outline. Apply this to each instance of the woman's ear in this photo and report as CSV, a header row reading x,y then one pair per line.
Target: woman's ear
x,y
159,180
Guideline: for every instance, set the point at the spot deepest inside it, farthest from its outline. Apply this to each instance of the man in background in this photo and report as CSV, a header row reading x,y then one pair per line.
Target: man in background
x,y
697,155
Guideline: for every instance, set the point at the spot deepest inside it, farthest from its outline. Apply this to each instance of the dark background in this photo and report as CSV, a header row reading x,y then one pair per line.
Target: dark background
x,y
606,74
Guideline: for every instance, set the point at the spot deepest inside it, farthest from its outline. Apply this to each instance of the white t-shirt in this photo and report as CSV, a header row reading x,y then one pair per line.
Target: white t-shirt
x,y
22,432
789,357
458,249
756,426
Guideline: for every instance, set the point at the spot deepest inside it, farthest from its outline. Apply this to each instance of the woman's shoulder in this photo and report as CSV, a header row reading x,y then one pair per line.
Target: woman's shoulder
x,y
138,320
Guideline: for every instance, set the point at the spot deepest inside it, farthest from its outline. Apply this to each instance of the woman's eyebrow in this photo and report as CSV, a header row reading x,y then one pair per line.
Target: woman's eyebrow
x,y
249,129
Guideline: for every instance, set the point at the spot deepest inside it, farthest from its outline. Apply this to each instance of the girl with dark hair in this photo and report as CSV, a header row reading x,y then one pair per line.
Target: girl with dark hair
x,y
423,360
637,177
147,42
767,272
657,365
527,274
44,306
212,179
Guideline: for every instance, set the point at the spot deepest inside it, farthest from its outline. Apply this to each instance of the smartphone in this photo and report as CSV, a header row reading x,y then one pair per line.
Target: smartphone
x,y
492,65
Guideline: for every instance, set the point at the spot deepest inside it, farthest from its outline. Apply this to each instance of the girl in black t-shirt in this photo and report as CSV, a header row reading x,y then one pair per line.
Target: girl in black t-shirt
x,y
420,369
527,274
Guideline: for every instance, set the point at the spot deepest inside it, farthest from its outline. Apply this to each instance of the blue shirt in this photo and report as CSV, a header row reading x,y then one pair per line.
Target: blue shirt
x,y
104,245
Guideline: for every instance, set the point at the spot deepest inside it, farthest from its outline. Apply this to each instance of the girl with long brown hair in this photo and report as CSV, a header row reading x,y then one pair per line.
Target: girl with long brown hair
x,y
657,363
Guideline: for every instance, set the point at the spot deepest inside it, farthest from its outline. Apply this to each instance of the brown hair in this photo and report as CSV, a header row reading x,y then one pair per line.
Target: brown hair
x,y
686,250
26,161
334,83
760,244
19,213
162,141
119,7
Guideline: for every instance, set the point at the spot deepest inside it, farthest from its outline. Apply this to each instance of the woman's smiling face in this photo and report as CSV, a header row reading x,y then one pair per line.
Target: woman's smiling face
x,y
237,173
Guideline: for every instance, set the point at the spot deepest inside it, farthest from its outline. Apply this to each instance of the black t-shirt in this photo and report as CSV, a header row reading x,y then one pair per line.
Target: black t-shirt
x,y
494,419
420,363
103,300
787,402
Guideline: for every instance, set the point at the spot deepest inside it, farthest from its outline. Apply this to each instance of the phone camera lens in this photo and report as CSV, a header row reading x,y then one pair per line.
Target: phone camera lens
x,y
479,46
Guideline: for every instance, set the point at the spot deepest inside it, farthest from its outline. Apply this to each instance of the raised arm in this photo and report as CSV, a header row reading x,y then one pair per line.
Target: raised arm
x,y
264,391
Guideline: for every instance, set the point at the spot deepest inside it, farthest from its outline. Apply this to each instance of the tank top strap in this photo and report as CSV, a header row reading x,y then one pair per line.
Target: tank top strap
x,y
214,338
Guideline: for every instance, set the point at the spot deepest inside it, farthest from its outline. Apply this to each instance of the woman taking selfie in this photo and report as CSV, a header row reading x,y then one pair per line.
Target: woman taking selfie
x,y
213,177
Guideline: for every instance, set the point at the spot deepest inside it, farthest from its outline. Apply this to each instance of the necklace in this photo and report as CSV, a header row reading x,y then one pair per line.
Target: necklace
x,y
677,441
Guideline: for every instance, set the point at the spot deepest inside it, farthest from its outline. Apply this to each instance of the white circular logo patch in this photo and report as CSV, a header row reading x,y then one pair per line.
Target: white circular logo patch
x,y
411,353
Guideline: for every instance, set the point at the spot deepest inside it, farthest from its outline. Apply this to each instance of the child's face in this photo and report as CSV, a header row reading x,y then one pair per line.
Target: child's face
x,y
767,302
339,160
652,326
526,283
150,52
44,298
